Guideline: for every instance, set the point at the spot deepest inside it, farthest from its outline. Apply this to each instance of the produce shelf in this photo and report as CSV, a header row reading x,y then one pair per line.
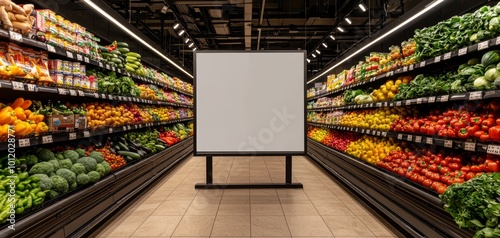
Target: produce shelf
x,y
78,213
470,145
81,134
55,50
405,69
28,87
415,211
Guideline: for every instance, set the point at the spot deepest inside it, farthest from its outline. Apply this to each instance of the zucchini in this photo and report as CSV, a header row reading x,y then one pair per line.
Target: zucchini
x,y
117,147
123,50
130,154
123,146
133,54
128,158
116,60
160,147
116,52
128,68
122,44
107,55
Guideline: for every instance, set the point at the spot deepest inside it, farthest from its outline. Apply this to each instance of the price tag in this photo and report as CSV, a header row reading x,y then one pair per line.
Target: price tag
x,y
398,103
72,92
31,87
379,104
384,134
493,149
62,91
113,68
409,138
448,143
388,74
110,130
419,100
368,131
447,56
100,64
119,70
15,36
400,136
69,54
422,64
462,51
96,95
475,95
86,60
72,136
24,142
378,133
103,96
110,97
431,99
47,139
135,126
17,86
81,93
437,59
363,131
411,67
418,139
51,48
79,57
408,102
107,67
429,140
86,134
497,42
470,146
129,127
483,45
445,98
405,69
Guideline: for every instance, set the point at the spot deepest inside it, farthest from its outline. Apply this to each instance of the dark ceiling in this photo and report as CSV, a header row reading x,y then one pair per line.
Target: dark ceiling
x,y
281,25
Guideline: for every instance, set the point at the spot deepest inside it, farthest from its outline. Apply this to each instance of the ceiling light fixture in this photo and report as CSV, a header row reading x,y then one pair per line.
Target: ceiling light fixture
x,y
176,26
324,44
117,23
348,20
164,9
187,40
317,51
331,36
308,61
362,7
340,29
412,18
191,45
182,32
313,55
195,49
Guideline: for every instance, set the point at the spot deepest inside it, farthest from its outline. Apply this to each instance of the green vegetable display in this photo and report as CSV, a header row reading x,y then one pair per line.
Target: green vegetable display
x,y
110,83
88,162
59,184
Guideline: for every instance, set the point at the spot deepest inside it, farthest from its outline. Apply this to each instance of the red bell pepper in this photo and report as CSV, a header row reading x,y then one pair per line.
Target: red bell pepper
x,y
494,133
476,120
463,134
472,129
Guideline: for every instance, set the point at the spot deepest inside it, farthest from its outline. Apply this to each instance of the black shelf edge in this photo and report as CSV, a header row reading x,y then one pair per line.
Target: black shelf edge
x,y
82,134
16,37
28,87
472,146
484,45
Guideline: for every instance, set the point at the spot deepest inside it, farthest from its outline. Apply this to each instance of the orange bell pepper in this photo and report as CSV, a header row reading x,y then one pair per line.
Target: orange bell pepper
x,y
26,104
28,113
20,113
4,131
17,103
6,109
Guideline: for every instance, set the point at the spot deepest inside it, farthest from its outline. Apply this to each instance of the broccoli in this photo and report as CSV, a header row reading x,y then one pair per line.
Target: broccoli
x,y
80,152
78,168
73,185
82,179
65,164
97,156
94,176
67,174
88,162
59,156
52,194
59,184
100,169
45,182
107,167
72,155
31,160
42,168
55,163
45,155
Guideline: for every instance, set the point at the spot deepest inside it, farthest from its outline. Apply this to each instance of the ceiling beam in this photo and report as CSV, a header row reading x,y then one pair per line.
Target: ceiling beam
x,y
248,24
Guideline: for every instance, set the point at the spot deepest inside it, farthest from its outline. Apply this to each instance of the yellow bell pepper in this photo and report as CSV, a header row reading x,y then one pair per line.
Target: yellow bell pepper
x,y
41,127
27,113
20,113
4,131
7,118
22,128
6,109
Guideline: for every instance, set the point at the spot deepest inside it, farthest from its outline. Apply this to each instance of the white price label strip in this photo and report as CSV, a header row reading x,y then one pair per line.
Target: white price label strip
x,y
110,130
422,64
31,87
475,95
62,91
79,57
431,99
69,54
72,136
448,143
462,51
429,141
470,146
51,48
72,92
17,86
15,36
47,139
483,45
418,139
86,60
437,59
81,93
400,136
493,149
445,98
86,134
419,100
24,142
409,138
101,65
447,56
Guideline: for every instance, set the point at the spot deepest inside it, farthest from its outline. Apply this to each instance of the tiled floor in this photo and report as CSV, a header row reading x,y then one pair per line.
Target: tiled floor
x,y
173,208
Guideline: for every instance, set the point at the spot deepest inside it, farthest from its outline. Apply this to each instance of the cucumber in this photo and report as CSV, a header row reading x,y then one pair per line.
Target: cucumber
x,y
130,154
116,52
133,54
122,45
116,60
107,55
160,147
123,146
128,158
123,50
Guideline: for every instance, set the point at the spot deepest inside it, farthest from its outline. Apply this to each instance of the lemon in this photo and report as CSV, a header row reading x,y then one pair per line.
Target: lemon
x,y
399,82
384,90
390,95
394,89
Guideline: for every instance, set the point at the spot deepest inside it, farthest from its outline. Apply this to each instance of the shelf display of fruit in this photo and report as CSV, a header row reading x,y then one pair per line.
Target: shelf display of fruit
x,y
373,149
387,91
22,118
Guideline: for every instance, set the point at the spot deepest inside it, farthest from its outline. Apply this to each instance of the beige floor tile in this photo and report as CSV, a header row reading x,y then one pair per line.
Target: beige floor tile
x,y
144,209
172,208
234,209
127,226
241,192
231,226
200,209
266,209
375,226
269,226
357,209
299,210
261,192
158,226
307,226
235,199
333,209
195,226
295,201
347,226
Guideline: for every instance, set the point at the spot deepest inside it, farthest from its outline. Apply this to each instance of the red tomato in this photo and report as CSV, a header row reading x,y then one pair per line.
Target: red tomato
x,y
436,177
492,167
441,189
494,132
424,171
401,172
433,168
414,177
470,175
482,167
458,180
427,182
466,169
408,174
420,179
457,160
405,164
475,169
444,170
454,166
484,137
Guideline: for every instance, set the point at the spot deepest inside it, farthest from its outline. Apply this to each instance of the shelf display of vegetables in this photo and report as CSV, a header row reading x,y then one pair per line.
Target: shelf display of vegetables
x,y
23,118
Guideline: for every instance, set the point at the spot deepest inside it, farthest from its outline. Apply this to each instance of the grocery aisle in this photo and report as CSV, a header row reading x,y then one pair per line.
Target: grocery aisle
x,y
173,208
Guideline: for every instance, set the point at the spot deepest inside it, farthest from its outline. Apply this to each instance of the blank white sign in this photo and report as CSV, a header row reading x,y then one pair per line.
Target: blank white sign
x,y
250,103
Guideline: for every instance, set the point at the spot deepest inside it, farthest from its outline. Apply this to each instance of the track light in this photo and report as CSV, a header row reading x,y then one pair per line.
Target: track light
x,y
348,20
313,55
187,40
324,44
195,49
176,26
340,29
331,36
182,32
308,61
362,7
191,45
317,51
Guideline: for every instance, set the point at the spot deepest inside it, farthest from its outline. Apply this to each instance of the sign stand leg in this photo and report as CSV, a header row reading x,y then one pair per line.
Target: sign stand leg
x,y
288,169
209,170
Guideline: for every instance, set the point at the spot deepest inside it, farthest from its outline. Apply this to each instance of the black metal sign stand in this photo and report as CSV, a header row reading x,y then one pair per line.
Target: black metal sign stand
x,y
210,185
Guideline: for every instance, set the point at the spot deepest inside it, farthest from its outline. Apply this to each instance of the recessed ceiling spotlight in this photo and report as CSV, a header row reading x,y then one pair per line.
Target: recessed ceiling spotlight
x,y
324,44
195,49
191,45
317,51
182,32
176,26
308,61
340,29
348,20
187,40
331,36
313,55
362,7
